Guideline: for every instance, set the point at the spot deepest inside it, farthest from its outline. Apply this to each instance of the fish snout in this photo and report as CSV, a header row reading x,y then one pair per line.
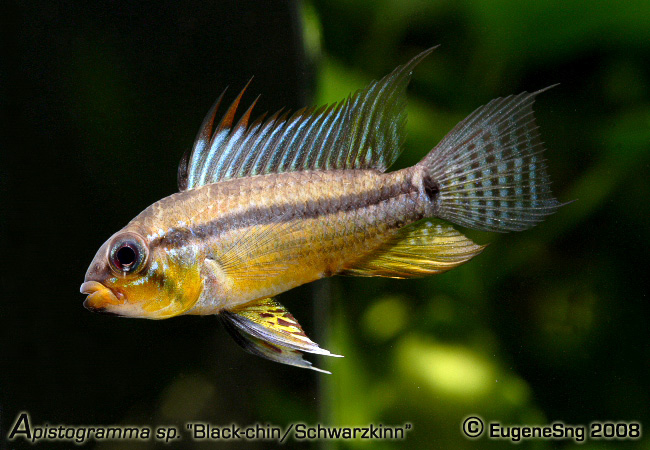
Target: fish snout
x,y
99,297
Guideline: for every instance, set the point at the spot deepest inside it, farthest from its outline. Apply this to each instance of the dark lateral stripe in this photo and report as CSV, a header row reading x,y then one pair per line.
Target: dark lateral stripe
x,y
284,212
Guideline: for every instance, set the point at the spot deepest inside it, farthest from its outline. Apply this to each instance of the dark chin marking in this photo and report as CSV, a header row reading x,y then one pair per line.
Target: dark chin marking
x,y
103,312
99,310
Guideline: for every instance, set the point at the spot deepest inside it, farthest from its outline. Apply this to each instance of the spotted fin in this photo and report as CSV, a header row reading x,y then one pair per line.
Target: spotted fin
x,y
364,131
424,248
488,173
265,328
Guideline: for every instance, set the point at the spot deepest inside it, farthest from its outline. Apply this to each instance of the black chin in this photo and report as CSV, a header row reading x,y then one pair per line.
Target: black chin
x,y
98,310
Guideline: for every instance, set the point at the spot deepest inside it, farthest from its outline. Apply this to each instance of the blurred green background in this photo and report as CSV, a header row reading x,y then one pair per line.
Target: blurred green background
x,y
101,100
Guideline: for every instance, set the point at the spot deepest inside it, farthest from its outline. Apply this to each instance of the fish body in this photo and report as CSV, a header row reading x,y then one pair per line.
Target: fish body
x,y
268,206
270,233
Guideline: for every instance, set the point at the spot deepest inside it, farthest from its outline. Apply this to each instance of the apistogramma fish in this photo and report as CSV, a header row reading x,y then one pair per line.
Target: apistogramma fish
x,y
269,205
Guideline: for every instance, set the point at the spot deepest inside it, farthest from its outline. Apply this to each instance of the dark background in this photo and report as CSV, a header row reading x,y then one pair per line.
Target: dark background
x,y
100,100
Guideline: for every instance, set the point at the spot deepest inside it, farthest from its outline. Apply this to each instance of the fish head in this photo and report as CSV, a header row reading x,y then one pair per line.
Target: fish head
x,y
132,278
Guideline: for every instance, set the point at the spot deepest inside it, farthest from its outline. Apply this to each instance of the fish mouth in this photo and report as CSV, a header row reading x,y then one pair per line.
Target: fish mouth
x,y
99,296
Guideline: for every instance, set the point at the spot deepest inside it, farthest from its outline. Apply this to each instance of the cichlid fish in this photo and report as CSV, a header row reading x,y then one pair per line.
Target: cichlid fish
x,y
267,206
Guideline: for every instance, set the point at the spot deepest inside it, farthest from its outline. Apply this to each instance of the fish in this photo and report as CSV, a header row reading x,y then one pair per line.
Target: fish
x,y
270,204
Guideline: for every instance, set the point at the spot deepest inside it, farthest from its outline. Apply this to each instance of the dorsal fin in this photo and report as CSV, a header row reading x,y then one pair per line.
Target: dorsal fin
x,y
364,131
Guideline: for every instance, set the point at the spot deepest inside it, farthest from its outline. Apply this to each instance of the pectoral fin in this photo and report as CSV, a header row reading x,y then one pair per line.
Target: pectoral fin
x,y
265,328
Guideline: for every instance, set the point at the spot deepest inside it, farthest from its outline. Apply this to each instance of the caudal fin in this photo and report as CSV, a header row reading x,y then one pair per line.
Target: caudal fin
x,y
488,173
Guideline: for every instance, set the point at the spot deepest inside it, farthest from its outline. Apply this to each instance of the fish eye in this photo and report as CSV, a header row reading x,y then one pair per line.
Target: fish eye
x,y
127,253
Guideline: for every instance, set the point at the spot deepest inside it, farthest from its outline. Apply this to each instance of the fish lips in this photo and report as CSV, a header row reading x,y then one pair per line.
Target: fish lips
x,y
99,297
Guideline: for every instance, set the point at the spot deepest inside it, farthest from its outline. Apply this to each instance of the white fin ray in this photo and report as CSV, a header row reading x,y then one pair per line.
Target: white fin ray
x,y
364,131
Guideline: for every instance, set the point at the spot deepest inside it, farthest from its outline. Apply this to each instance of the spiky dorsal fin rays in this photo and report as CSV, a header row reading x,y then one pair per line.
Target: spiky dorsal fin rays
x,y
208,142
200,143
364,131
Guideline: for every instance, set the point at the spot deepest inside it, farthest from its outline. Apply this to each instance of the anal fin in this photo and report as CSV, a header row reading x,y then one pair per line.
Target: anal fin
x,y
265,328
423,248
